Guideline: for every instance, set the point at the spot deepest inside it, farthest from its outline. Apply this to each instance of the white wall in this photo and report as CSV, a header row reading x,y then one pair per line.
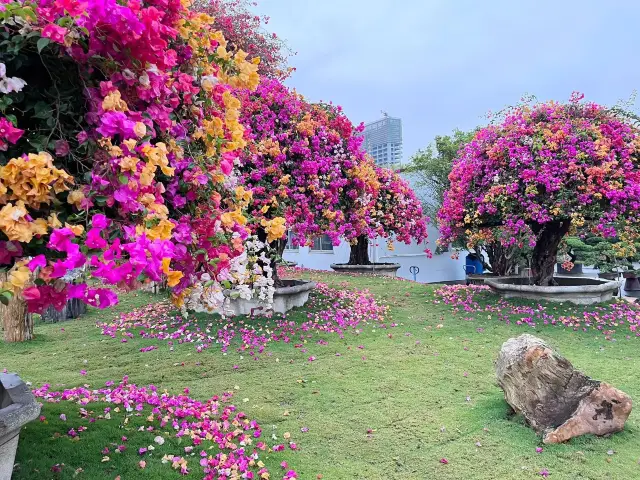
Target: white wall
x,y
440,268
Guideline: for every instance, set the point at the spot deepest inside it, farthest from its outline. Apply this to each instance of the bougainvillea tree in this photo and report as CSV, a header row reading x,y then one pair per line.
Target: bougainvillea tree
x,y
542,172
119,132
394,212
247,31
303,162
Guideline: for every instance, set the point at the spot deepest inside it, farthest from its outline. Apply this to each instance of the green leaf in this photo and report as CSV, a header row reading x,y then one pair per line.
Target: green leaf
x,y
123,179
5,297
42,42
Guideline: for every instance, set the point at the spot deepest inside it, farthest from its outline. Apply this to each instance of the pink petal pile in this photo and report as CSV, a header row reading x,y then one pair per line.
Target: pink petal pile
x,y
215,422
335,311
605,318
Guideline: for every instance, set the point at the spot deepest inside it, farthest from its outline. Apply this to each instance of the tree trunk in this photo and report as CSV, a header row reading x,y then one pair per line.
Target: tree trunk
x,y
262,236
72,309
500,264
554,398
280,245
16,321
359,254
545,252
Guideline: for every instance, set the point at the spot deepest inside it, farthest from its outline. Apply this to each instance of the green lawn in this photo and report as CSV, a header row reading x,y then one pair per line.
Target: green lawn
x,y
415,394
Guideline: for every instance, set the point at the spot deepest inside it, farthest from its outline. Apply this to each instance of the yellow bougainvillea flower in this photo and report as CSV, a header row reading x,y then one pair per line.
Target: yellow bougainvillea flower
x,y
275,228
129,164
243,196
140,129
160,231
53,221
18,277
14,224
114,102
173,278
76,229
165,265
229,218
76,198
32,179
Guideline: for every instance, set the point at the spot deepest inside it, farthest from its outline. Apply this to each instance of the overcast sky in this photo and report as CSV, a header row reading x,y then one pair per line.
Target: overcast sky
x,y
443,64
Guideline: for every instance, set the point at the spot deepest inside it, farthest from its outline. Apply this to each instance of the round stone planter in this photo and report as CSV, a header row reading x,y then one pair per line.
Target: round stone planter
x,y
294,293
631,284
286,263
577,290
387,269
610,276
478,278
17,407
576,270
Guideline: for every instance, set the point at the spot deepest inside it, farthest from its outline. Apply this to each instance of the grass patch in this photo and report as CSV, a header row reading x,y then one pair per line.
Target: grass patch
x,y
390,406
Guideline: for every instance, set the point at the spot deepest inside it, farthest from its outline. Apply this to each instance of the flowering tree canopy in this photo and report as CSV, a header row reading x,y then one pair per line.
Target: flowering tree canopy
x,y
246,31
302,165
546,170
119,132
393,212
397,210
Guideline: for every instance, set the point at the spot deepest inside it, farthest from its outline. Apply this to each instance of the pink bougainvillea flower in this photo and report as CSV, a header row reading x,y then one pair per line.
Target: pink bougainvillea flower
x,y
62,148
37,261
9,132
54,32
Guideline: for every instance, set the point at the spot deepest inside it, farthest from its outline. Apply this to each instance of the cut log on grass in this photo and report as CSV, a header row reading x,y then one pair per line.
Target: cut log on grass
x,y
558,401
72,309
17,323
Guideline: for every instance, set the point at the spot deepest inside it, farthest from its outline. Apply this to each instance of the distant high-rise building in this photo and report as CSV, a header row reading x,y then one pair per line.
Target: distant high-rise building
x,y
383,140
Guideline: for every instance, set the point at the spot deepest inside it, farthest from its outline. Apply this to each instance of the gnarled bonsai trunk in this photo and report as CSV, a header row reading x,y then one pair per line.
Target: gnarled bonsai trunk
x,y
16,321
359,254
498,259
545,252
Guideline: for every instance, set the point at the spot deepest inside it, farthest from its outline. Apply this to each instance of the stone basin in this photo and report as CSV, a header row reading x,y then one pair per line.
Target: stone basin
x,y
18,406
576,290
293,293
387,269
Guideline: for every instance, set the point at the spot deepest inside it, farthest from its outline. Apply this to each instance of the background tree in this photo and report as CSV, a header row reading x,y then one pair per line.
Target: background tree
x,y
542,172
431,168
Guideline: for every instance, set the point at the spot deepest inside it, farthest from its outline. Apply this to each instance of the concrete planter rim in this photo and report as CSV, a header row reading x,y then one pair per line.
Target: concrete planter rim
x,y
372,266
295,294
20,408
300,286
603,286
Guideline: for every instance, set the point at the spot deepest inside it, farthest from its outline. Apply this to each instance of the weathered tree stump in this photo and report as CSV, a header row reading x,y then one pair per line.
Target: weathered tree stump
x,y
17,323
558,401
72,309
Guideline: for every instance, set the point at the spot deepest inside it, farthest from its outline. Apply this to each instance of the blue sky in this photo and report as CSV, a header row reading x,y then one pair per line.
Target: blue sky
x,y
443,64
